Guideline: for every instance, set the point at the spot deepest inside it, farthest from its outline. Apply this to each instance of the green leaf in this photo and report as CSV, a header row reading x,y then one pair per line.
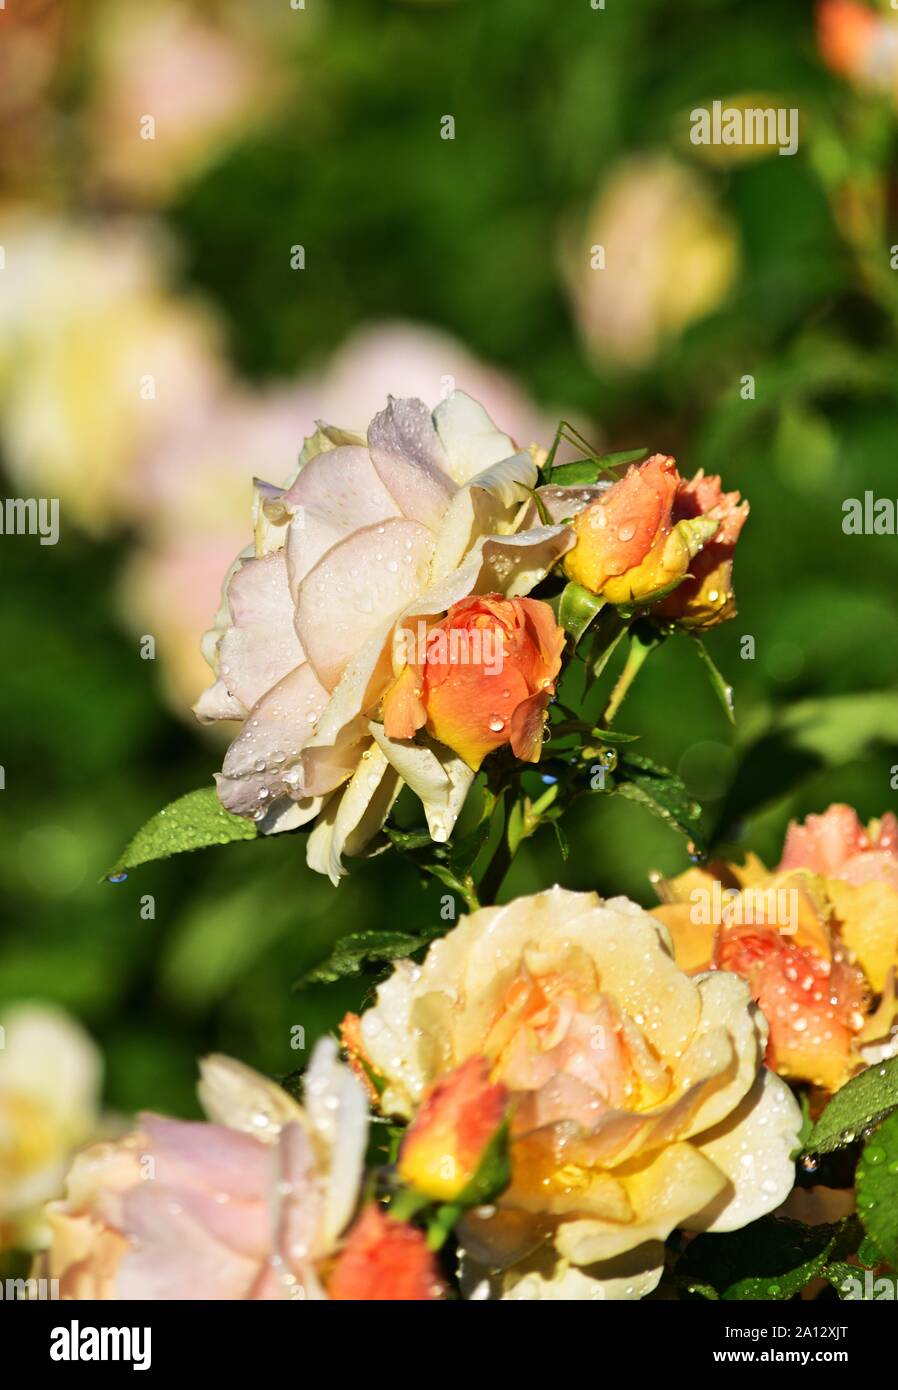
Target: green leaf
x,y
877,1189
614,738
662,792
721,687
577,608
861,1102
770,1259
449,862
194,821
354,952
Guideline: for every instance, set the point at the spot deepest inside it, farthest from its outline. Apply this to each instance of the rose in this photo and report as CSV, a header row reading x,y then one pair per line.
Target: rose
x,y
632,544
639,1101
384,1260
670,256
860,867
480,678
245,1207
193,486
815,940
426,514
50,1075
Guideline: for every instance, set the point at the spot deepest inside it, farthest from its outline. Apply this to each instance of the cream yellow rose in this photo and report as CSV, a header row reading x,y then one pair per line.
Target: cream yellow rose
x,y
640,1099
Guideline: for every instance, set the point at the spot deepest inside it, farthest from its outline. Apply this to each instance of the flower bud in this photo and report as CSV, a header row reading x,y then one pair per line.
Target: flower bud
x,y
384,1261
631,548
451,1134
480,678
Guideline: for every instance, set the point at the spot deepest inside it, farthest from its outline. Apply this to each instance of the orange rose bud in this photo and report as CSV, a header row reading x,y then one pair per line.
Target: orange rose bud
x,y
705,597
813,1004
449,1137
630,548
384,1261
481,677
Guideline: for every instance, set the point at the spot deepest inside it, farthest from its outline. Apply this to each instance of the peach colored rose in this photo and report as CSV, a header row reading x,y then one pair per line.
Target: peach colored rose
x,y
250,1206
639,1098
424,513
480,678
190,492
814,948
384,1261
631,546
448,1139
860,866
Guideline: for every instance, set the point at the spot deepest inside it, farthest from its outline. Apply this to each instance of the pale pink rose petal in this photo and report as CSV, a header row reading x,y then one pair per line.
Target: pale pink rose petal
x,y
411,461
260,764
333,495
297,1200
212,1158
326,767
823,843
261,645
176,1258
356,587
470,439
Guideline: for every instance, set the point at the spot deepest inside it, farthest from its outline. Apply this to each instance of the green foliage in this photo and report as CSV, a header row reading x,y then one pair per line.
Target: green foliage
x,y
770,1259
663,793
194,821
863,1101
877,1189
355,952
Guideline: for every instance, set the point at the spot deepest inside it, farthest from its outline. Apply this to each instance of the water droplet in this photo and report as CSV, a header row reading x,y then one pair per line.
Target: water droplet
x,y
116,878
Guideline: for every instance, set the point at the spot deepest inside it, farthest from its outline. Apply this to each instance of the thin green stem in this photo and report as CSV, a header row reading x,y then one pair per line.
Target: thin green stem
x,y
632,666
495,871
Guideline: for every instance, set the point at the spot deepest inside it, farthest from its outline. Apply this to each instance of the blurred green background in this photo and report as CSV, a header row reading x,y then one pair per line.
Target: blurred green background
x,y
485,237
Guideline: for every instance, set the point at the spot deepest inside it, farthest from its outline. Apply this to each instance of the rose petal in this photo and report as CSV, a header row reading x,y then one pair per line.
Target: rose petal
x,y
410,461
361,582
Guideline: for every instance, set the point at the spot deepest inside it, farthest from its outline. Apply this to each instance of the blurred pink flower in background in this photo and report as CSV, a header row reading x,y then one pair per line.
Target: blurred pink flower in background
x,y
204,78
656,254
194,490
